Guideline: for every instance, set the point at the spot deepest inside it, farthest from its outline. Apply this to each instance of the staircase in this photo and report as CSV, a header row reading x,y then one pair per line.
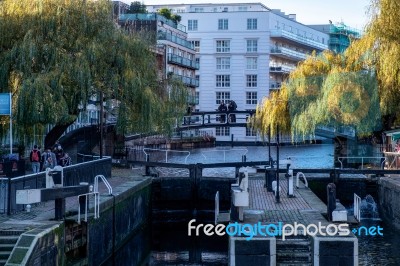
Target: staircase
x,y
294,250
8,239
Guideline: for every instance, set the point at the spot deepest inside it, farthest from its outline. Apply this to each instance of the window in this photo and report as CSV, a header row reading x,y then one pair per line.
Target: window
x,y
250,132
196,45
223,46
251,46
222,24
251,23
222,131
251,63
222,96
198,9
223,62
223,81
192,24
197,97
242,8
197,59
251,97
251,81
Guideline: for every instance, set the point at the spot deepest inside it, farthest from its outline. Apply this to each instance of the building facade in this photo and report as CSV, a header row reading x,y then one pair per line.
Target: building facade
x,y
244,51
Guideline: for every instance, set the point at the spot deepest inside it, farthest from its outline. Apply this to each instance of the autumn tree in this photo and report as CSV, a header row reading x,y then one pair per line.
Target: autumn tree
x,y
55,54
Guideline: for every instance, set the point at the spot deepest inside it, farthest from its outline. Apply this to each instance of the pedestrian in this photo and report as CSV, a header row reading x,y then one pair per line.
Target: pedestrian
x,y
222,108
231,108
59,152
35,159
49,159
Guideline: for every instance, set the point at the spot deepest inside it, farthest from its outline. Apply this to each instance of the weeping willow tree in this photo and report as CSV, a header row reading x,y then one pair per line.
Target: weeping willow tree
x,y
55,54
324,90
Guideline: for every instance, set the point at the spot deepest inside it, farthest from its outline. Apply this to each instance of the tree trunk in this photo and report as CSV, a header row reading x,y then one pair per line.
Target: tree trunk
x,y
54,134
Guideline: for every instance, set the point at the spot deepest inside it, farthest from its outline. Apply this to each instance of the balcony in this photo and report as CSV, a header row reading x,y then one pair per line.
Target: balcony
x,y
188,81
181,61
298,40
289,54
151,17
175,39
281,69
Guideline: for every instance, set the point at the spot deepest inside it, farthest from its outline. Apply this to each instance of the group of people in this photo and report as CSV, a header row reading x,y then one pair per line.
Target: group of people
x,y
232,106
49,158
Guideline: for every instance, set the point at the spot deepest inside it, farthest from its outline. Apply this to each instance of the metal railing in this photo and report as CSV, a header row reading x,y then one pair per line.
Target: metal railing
x,y
174,58
216,207
381,159
288,53
96,205
224,152
298,175
280,33
357,204
166,153
73,175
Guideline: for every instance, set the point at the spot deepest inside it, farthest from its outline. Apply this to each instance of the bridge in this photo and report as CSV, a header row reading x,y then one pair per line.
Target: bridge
x,y
198,120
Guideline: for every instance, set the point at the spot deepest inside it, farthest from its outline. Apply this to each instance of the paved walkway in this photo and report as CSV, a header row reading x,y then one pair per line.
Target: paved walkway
x,y
304,207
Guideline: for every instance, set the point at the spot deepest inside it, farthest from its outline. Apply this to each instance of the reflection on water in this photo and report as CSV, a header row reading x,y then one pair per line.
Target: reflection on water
x,y
379,250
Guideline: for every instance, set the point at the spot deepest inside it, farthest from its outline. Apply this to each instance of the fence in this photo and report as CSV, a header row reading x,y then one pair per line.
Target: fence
x,y
73,175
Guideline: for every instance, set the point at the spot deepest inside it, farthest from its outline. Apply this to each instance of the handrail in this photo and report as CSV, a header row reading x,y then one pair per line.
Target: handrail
x,y
96,205
96,184
166,153
357,210
298,175
362,159
216,207
205,158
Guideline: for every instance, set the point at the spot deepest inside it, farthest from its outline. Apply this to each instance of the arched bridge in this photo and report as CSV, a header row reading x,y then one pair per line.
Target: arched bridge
x,y
198,120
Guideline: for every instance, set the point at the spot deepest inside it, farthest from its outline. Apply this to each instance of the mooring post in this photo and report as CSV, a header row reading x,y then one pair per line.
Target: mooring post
x,y
147,168
331,198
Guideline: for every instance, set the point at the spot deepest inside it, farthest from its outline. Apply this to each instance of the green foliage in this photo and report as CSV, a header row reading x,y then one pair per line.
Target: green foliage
x,y
55,54
165,12
137,7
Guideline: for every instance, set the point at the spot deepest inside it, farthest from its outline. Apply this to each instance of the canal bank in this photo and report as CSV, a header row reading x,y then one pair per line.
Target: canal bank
x,y
35,238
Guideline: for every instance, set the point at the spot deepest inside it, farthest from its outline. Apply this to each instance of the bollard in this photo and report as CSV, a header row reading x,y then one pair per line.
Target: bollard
x,y
269,177
331,198
289,176
243,158
147,168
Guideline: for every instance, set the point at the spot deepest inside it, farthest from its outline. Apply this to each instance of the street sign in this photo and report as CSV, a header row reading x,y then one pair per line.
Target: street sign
x,y
5,104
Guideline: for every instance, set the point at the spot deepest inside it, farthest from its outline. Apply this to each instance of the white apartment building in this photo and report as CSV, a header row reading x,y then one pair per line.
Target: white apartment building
x,y
244,50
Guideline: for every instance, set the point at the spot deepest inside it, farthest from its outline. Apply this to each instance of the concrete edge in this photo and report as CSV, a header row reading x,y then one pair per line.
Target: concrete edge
x,y
33,244
318,239
231,248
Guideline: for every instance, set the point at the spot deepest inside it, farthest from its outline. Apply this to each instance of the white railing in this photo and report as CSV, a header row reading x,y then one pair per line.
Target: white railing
x,y
166,153
357,204
298,175
224,152
96,205
216,207
382,162
96,184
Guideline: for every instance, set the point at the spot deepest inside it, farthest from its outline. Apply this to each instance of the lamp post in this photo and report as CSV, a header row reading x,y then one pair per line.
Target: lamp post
x,y
101,124
277,197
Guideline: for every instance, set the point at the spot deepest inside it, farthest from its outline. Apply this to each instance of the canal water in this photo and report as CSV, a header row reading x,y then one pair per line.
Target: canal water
x,y
172,246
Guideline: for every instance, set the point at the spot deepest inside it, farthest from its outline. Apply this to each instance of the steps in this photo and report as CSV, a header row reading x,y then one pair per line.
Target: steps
x,y
294,250
8,239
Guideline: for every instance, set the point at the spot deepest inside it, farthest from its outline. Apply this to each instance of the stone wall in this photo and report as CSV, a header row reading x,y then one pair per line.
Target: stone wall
x,y
121,218
389,204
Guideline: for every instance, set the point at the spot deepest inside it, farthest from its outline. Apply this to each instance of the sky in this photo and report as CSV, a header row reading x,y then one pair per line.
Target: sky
x,y
351,12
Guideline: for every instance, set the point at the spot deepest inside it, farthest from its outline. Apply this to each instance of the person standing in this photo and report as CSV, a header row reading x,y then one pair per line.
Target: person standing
x,y
222,108
35,159
49,159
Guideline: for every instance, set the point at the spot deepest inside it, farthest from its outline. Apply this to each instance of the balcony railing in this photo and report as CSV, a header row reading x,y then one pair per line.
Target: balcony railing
x,y
188,81
281,69
177,59
298,38
151,17
174,39
288,53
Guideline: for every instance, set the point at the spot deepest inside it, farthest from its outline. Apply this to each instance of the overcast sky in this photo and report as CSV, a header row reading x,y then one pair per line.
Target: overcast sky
x,y
352,12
